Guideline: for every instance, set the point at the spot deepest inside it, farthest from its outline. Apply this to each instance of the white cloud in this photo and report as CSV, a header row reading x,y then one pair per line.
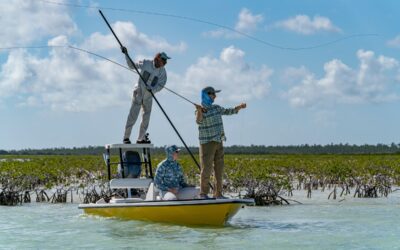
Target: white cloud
x,y
246,23
372,81
130,36
73,81
292,75
395,42
65,80
238,80
305,25
26,21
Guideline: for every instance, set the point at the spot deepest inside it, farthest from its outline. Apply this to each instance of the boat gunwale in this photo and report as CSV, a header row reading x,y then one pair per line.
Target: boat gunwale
x,y
194,202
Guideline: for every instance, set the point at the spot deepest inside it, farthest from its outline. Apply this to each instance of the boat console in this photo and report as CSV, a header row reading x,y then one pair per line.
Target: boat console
x,y
131,158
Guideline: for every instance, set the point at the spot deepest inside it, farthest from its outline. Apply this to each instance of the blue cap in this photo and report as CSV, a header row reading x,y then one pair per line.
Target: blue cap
x,y
171,149
174,148
164,56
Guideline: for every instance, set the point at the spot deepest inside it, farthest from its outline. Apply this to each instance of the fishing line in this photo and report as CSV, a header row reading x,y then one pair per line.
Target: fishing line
x,y
91,53
152,13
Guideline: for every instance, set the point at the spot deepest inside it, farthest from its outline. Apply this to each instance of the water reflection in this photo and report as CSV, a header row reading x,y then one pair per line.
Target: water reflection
x,y
136,230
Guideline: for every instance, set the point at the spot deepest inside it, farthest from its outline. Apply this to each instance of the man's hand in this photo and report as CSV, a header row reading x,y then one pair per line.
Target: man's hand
x,y
124,50
241,106
200,108
148,88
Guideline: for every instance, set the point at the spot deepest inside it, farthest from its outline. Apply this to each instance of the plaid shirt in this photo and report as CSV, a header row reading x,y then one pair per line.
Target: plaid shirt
x,y
211,127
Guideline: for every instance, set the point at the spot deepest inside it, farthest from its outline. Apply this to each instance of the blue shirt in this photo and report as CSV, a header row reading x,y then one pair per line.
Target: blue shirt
x,y
169,175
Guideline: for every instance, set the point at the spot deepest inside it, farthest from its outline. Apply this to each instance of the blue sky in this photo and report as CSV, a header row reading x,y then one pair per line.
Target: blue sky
x,y
345,92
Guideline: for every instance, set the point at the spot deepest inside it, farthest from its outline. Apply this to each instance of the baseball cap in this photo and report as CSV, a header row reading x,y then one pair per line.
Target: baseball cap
x,y
210,89
164,56
170,149
175,148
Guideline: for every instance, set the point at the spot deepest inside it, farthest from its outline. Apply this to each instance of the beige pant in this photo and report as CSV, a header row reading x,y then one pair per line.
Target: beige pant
x,y
137,103
211,157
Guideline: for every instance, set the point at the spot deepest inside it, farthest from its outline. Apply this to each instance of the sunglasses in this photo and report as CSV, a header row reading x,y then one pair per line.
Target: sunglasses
x,y
211,93
163,60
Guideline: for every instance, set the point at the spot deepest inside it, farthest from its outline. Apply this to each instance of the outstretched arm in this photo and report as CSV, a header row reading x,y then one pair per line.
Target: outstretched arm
x,y
232,111
125,51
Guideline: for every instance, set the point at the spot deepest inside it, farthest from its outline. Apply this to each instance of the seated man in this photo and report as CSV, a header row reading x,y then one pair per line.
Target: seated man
x,y
169,178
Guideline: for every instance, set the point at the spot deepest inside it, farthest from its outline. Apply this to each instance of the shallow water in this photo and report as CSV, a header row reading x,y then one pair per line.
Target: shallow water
x,y
319,224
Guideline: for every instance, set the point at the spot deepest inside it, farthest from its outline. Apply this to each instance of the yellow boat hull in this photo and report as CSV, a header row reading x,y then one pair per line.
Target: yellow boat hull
x,y
203,212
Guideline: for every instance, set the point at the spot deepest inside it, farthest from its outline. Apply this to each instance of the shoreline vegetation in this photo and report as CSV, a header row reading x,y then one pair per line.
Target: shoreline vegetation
x,y
270,179
392,148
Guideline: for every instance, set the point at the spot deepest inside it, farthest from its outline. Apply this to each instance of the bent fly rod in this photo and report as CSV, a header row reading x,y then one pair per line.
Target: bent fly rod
x,y
151,92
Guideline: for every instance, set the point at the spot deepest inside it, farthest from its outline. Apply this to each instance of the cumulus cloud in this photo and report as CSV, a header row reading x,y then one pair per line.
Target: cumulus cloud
x,y
65,80
293,75
26,21
131,38
372,81
69,80
61,78
246,23
305,25
395,42
229,72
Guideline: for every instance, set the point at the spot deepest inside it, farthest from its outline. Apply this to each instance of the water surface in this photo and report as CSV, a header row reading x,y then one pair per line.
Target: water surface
x,y
318,224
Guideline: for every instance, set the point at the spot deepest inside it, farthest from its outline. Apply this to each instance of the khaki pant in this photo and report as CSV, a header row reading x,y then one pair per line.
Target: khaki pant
x,y
211,157
137,103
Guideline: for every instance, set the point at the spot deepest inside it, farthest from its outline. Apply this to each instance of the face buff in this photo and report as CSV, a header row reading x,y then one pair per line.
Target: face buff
x,y
206,100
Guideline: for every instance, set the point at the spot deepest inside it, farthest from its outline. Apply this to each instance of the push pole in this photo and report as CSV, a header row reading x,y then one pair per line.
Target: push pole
x,y
152,94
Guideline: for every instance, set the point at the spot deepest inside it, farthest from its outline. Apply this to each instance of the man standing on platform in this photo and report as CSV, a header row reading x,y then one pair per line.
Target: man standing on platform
x,y
155,77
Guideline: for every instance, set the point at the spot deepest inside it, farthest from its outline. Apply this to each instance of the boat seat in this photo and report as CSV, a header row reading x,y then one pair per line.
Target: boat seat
x,y
130,183
131,165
